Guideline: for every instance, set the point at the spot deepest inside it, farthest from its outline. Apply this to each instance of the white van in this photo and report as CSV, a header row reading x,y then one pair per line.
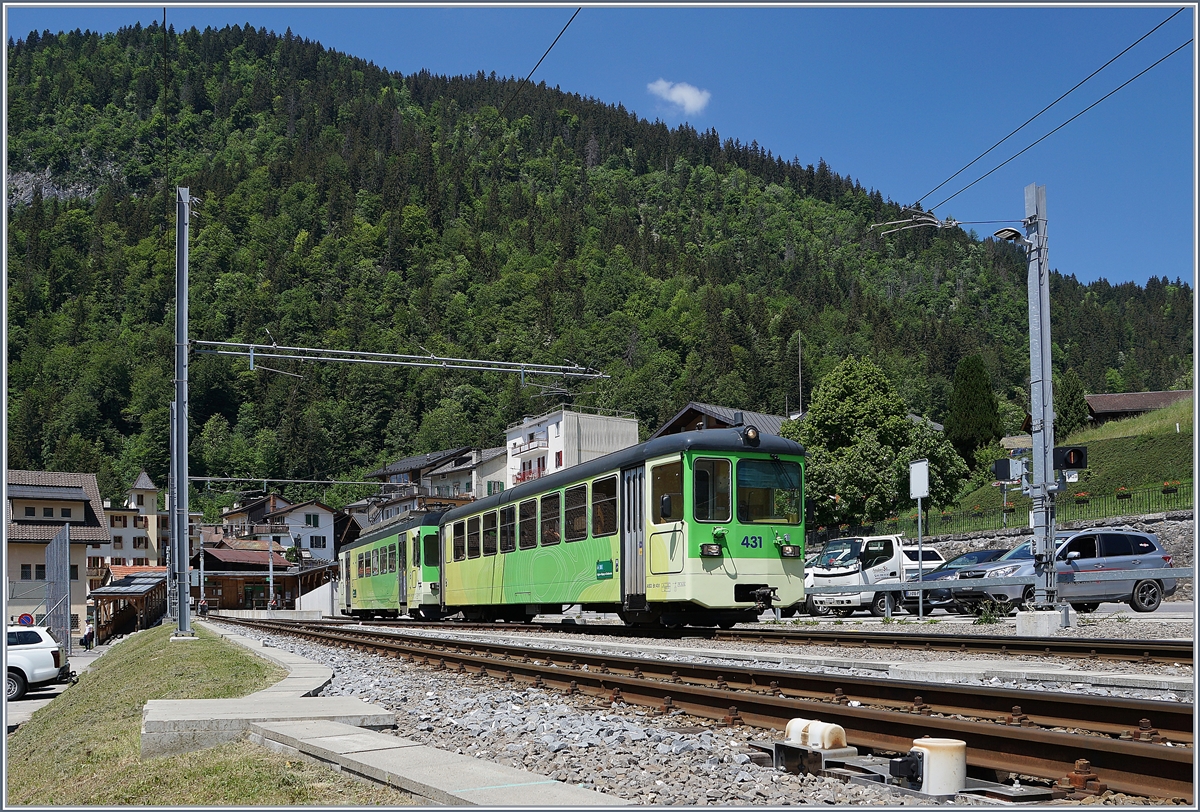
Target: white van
x,y
863,560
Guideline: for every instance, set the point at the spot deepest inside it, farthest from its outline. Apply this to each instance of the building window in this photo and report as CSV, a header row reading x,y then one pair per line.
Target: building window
x,y
494,486
74,572
64,513
30,510
316,542
558,459
312,519
47,513
141,499
118,562
26,572
140,562
95,561
39,572
118,543
141,543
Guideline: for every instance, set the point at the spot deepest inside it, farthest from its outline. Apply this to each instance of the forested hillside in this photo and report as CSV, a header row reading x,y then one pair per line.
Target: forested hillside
x,y
347,207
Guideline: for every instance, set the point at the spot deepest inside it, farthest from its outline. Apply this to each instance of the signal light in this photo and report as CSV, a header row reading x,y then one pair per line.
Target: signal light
x,y
1070,458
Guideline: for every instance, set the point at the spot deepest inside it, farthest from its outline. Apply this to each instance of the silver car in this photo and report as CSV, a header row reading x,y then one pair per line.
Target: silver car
x,y
1078,554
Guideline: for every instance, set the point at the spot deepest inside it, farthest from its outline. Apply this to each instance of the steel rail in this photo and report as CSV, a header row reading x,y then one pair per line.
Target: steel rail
x,y
1130,766
1146,651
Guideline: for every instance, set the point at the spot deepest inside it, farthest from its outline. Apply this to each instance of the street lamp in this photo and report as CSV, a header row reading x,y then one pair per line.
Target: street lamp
x,y
1010,234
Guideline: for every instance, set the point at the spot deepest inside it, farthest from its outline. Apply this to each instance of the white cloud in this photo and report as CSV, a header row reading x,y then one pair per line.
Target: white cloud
x,y
688,97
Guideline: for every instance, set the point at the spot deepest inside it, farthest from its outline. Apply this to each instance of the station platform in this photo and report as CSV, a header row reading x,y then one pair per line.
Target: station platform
x,y
344,733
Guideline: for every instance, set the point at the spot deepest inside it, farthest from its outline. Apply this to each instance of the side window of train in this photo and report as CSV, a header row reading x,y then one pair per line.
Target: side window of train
x,y
473,537
460,541
604,507
551,513
666,490
508,529
489,533
711,486
432,553
360,565
576,517
391,558
416,549
527,537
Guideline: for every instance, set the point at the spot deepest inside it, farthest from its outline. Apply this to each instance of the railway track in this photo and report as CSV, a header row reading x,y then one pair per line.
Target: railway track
x,y
1140,747
1145,651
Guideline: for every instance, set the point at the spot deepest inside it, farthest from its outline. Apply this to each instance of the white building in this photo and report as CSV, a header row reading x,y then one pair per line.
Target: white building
x,y
542,445
309,526
474,473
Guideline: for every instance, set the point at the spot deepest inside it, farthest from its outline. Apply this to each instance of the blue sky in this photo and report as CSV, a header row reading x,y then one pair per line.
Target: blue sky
x,y
899,98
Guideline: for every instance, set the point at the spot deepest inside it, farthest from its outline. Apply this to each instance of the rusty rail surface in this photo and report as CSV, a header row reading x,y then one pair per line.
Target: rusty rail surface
x,y
1146,651
1130,754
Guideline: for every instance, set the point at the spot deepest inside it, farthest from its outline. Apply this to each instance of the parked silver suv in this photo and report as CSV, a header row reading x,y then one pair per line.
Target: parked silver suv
x,y
1079,554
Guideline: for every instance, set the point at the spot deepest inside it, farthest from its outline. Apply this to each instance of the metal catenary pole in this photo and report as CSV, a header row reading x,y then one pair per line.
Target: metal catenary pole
x,y
179,507
1041,487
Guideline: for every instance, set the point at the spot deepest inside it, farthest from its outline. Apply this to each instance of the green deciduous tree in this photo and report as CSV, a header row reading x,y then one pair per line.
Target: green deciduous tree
x,y
974,418
860,441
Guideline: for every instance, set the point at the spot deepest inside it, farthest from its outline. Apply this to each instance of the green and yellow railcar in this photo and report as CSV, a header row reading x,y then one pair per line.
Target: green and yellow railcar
x,y
702,527
382,574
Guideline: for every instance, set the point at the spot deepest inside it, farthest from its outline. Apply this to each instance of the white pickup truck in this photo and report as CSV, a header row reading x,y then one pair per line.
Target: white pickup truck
x,y
35,660
863,560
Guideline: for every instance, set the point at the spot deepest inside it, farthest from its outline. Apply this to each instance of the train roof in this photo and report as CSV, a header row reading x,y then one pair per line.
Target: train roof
x,y
726,440
400,524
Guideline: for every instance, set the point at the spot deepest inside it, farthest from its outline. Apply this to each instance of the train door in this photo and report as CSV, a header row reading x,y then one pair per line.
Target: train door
x,y
633,539
402,571
346,581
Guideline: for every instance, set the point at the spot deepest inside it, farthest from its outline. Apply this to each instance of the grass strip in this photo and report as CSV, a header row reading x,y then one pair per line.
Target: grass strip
x,y
84,747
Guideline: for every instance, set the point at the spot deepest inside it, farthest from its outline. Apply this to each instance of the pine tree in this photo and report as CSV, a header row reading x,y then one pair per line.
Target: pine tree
x,y
974,418
1070,406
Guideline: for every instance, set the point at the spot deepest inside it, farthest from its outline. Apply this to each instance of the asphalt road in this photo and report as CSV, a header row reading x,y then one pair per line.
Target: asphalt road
x,y
19,711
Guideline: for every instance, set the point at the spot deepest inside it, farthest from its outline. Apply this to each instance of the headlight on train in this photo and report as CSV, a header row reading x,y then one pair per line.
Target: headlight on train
x,y
790,550
710,550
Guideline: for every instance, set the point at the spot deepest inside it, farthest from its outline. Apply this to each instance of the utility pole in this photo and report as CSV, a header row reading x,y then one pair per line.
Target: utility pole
x,y
179,462
1041,487
800,372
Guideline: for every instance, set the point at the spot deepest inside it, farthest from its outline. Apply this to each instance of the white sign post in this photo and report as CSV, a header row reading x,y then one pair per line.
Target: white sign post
x,y
918,488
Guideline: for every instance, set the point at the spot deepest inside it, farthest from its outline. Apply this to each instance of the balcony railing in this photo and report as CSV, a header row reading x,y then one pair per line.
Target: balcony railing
x,y
536,444
529,476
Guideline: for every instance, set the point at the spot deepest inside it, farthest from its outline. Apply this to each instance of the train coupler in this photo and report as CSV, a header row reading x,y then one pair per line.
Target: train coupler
x,y
764,597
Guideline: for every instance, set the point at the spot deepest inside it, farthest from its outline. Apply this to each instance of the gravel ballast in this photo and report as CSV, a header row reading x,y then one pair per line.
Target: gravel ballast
x,y
620,749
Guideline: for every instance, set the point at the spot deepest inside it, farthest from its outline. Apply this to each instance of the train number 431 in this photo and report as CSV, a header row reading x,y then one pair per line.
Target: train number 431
x,y
752,541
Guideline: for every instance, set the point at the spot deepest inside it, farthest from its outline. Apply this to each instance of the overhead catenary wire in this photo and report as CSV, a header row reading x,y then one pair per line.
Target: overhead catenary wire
x,y
1060,126
1043,110
276,351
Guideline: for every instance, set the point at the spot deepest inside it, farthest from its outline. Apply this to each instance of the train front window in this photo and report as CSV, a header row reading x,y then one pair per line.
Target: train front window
x,y
768,492
711,488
